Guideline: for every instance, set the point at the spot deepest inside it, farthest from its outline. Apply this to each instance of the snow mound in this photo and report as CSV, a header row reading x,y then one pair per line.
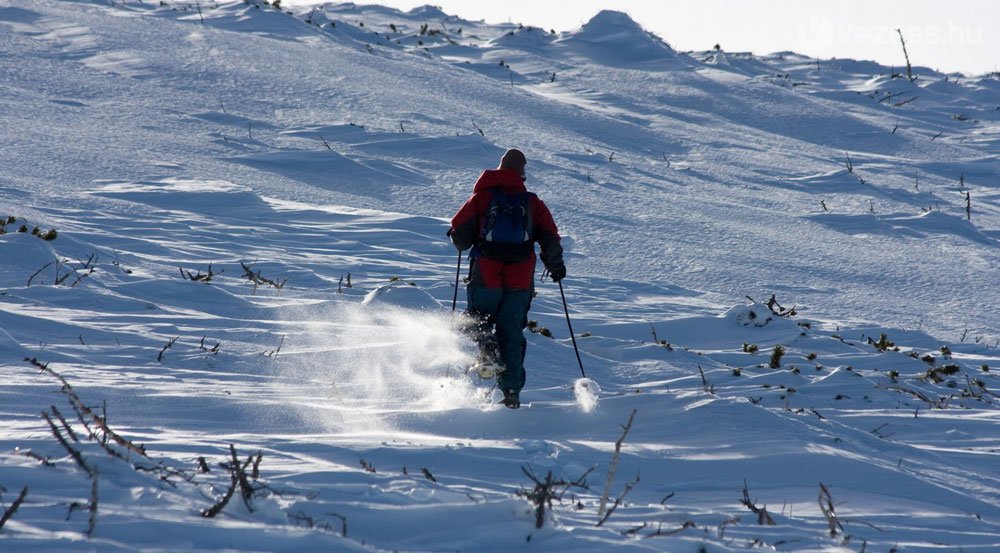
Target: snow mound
x,y
524,38
755,314
919,226
745,63
428,11
194,195
351,34
612,38
401,294
23,254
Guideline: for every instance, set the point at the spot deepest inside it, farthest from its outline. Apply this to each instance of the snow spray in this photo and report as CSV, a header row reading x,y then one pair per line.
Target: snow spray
x,y
586,392
373,363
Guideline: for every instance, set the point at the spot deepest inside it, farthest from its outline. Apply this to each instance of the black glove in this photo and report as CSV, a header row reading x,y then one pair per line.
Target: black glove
x,y
558,272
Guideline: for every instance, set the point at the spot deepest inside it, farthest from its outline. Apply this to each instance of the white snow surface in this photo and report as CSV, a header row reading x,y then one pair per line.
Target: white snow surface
x,y
251,207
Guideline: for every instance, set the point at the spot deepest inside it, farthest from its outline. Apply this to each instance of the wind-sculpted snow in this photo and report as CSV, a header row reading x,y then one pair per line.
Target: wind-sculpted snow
x,y
251,209
612,38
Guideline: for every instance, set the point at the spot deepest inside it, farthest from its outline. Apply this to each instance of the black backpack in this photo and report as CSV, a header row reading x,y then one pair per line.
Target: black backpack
x,y
506,234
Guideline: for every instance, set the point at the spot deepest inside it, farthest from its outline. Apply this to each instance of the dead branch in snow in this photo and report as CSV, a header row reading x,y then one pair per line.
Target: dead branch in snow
x,y
159,357
257,279
618,501
84,413
613,467
36,273
199,277
909,68
73,452
92,519
826,507
65,425
13,507
763,517
221,503
545,492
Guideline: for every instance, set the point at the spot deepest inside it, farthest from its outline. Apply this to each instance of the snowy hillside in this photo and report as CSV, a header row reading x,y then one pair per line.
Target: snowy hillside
x,y
232,329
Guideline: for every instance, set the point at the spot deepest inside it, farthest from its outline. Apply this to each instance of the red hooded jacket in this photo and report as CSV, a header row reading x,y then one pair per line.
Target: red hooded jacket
x,y
467,224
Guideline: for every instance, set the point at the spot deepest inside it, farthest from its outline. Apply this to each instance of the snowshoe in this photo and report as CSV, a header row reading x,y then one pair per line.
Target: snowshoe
x,y
488,363
487,368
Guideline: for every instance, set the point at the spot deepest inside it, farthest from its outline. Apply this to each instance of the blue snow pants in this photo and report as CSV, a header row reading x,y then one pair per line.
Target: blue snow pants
x,y
507,312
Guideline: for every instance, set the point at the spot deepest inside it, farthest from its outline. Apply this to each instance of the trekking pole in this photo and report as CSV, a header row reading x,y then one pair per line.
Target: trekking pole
x,y
458,270
570,325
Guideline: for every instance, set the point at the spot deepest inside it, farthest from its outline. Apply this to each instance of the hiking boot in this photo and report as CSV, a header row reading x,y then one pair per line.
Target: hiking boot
x,y
511,400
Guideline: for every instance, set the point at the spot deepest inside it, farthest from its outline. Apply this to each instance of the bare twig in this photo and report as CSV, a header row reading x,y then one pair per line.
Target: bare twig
x,y
246,490
13,507
546,491
255,470
618,500
74,453
92,519
274,352
199,277
613,467
909,69
87,265
257,279
83,412
826,507
159,357
939,403
32,455
213,350
709,389
221,504
32,277
65,424
661,532
542,495
763,517
772,303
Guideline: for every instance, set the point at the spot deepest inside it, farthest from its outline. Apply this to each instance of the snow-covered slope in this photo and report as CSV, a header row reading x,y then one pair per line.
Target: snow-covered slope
x,y
250,209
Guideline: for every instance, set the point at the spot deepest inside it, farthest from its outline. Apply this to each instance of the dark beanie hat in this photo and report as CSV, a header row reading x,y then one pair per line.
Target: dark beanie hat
x,y
514,160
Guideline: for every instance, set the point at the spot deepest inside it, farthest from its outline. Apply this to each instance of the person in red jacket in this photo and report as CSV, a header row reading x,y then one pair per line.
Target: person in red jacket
x,y
501,223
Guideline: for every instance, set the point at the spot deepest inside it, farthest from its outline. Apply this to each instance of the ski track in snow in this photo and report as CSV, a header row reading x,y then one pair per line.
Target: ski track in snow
x,y
163,143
